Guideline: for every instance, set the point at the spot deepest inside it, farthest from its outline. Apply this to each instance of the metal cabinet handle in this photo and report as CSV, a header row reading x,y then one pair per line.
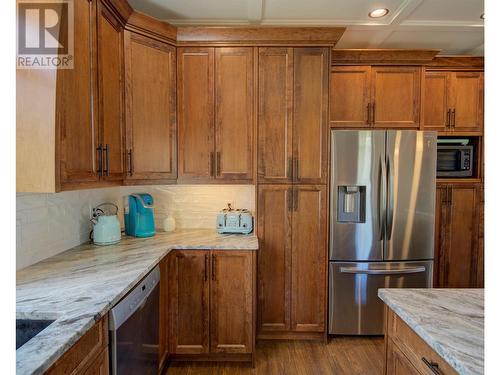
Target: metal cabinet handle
x,y
453,118
206,267
289,199
289,172
373,113
100,161
218,157
130,163
448,118
211,164
214,262
295,169
396,271
450,197
433,366
106,164
295,199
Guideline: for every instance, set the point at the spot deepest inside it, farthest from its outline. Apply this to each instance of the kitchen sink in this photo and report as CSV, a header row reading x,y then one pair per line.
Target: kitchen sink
x,y
26,329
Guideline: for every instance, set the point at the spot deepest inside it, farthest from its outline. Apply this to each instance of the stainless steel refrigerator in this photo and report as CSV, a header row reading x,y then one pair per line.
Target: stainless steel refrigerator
x,y
382,202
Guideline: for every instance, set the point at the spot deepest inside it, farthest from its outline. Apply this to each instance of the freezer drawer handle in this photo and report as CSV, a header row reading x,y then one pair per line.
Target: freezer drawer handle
x,y
397,271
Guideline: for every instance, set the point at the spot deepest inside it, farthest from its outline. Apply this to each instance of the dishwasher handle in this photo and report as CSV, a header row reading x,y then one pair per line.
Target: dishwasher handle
x,y
134,300
396,271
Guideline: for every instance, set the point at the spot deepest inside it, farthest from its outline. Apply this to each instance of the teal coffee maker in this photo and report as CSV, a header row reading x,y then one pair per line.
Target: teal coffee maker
x,y
139,218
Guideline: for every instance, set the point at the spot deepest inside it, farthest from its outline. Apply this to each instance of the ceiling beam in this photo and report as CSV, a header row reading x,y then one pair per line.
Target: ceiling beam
x,y
255,8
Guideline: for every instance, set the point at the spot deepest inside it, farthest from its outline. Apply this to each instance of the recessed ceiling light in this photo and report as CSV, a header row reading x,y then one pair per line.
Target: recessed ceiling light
x,y
377,13
482,16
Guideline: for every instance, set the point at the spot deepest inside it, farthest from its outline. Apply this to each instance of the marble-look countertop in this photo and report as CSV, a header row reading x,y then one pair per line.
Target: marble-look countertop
x,y
79,286
450,321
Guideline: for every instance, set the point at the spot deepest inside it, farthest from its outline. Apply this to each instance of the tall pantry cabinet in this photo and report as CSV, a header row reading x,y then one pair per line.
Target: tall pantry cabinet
x,y
292,152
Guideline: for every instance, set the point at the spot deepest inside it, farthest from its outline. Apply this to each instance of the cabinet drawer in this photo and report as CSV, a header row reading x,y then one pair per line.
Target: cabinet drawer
x,y
84,352
414,348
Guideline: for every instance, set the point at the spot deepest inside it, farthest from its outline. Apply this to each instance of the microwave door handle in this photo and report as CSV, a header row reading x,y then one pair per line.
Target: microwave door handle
x,y
396,271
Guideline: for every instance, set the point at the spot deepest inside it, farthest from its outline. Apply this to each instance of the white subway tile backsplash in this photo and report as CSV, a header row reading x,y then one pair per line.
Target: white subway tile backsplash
x,y
48,224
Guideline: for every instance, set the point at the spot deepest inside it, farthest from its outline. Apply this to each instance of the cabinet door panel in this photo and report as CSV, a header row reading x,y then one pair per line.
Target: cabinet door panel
x,y
274,262
310,114
151,115
110,44
234,118
435,105
163,320
189,302
467,99
309,260
231,301
196,112
350,96
396,362
75,87
275,98
396,96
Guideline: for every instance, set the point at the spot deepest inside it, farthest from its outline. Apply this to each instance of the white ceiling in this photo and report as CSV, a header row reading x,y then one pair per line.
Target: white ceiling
x,y
451,25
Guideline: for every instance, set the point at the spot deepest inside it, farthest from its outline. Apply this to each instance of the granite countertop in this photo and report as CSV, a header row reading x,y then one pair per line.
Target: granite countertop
x,y
79,286
450,321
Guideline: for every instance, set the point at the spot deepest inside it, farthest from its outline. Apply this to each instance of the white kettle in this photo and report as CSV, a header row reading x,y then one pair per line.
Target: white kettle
x,y
106,229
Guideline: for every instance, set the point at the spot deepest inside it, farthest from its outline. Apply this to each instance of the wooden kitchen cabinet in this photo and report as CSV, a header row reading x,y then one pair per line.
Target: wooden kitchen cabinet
x,y
453,101
211,304
150,76
189,272
164,316
396,361
375,96
216,114
457,235
292,261
292,115
350,96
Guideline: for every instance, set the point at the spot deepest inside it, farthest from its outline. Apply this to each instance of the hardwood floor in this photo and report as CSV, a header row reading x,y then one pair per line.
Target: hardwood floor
x,y
341,355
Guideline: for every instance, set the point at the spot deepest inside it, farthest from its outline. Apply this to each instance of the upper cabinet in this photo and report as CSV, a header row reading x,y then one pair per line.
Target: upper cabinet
x,y
216,114
292,115
150,75
453,101
378,96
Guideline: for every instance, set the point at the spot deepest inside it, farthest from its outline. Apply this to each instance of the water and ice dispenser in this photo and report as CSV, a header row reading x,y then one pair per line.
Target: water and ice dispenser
x,y
351,204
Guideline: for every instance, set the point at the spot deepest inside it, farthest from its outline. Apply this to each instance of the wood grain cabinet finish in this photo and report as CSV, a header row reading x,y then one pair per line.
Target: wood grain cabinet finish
x,y
164,315
457,235
211,296
453,102
216,114
292,115
111,98
292,260
189,273
350,96
397,363
231,300
395,97
150,74
76,103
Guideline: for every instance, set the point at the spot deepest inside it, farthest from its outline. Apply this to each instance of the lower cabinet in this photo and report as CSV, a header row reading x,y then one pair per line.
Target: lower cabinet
x,y
89,355
292,261
211,304
458,259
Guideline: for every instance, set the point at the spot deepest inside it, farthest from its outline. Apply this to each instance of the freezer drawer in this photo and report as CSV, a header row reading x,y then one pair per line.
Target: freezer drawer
x,y
354,307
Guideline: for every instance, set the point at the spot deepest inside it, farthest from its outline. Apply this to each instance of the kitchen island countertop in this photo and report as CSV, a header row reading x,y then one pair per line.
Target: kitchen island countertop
x,y
450,321
78,287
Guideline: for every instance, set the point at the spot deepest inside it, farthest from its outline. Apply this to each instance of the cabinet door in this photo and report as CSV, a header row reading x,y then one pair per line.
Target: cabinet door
x,y
195,88
310,115
467,101
231,301
151,115
75,100
309,261
234,113
396,361
100,366
441,231
458,255
110,67
163,319
189,301
350,96
436,110
274,261
396,97
274,149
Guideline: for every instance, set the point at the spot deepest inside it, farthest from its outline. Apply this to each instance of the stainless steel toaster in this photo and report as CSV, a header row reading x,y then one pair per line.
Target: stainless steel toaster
x,y
231,220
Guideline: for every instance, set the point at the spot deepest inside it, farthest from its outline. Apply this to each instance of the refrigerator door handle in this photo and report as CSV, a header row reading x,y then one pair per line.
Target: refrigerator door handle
x,y
397,271
382,197
390,199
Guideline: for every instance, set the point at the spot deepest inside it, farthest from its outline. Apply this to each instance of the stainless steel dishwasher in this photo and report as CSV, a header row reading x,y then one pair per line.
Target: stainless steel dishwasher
x,y
134,331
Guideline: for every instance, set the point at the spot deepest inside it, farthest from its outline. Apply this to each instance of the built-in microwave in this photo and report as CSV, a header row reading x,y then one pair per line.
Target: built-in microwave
x,y
454,160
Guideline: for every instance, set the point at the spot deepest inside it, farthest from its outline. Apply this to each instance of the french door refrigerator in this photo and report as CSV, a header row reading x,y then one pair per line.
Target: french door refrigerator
x,y
382,202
